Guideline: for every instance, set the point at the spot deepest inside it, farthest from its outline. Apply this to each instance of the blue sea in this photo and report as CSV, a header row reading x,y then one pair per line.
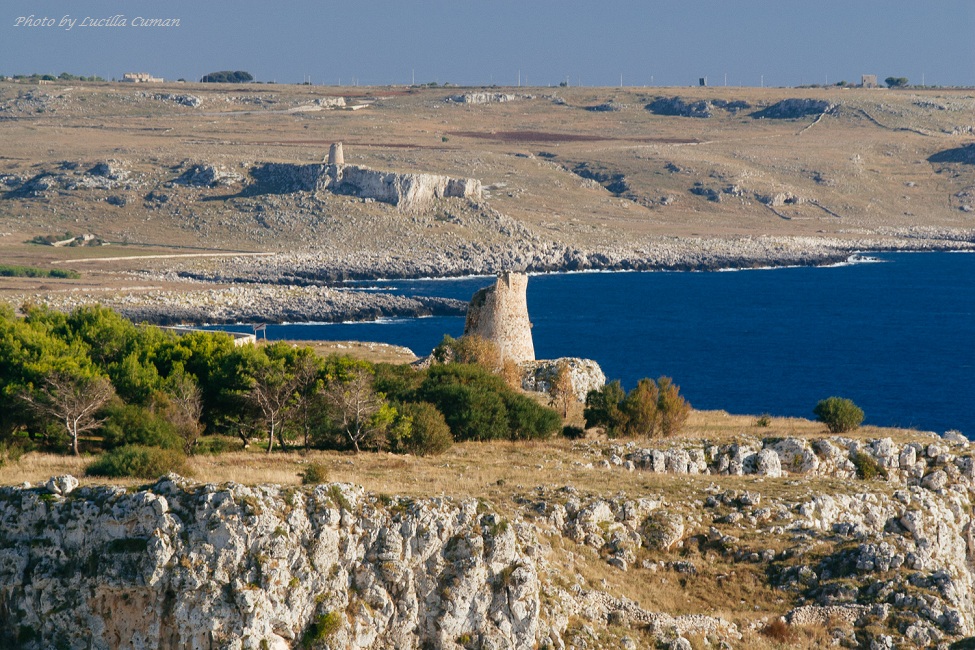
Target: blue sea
x,y
895,333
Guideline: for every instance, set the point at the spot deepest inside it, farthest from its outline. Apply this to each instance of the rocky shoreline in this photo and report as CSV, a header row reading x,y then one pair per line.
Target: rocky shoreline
x,y
535,256
253,303
308,287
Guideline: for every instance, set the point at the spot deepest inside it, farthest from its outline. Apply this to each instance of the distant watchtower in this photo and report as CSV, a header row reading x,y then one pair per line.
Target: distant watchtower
x,y
500,314
335,155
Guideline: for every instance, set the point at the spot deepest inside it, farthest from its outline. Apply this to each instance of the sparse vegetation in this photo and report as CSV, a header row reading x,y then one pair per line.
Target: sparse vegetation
x,y
322,629
13,271
314,474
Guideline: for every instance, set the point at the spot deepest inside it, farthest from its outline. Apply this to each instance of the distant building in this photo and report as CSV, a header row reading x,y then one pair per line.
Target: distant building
x,y
869,81
703,81
141,78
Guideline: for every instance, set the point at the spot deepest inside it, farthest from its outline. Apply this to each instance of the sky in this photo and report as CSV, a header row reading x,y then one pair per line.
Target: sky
x,y
467,42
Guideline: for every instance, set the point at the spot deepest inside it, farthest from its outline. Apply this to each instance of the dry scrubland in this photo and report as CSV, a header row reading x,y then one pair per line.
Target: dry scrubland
x,y
565,185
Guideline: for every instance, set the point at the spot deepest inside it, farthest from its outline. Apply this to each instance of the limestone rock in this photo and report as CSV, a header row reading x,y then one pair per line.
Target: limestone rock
x,y
206,175
586,375
662,530
794,108
767,464
61,485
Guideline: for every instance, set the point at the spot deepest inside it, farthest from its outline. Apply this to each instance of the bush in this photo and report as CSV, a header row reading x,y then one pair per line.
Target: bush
x,y
573,432
428,433
529,420
603,408
138,462
215,444
134,425
840,415
322,629
314,474
778,630
674,409
867,467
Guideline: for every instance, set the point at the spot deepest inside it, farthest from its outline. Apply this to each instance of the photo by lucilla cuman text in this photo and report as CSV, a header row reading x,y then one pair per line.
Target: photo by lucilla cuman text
x,y
68,22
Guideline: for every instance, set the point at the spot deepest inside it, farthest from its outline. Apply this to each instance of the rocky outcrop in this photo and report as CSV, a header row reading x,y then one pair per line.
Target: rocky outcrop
x,y
679,107
499,313
175,566
405,191
206,175
182,99
178,565
484,98
408,192
586,375
791,109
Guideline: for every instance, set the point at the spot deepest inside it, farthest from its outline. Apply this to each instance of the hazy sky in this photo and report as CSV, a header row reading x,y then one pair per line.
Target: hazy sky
x,y
783,42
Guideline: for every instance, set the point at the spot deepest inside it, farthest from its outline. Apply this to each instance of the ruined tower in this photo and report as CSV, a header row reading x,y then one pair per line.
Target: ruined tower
x,y
500,314
335,155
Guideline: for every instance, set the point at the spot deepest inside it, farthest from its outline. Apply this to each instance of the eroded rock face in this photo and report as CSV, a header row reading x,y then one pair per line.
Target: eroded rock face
x,y
408,192
246,568
405,191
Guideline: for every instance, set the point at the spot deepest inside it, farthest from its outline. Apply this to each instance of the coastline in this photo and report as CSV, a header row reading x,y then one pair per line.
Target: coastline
x,y
309,287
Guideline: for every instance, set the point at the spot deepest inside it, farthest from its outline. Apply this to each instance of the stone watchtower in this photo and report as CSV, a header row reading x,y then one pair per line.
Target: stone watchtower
x,y
335,155
500,314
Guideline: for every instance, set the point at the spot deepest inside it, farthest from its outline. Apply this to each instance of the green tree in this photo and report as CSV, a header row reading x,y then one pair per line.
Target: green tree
x,y
280,375
529,420
470,399
603,408
895,82
839,414
181,404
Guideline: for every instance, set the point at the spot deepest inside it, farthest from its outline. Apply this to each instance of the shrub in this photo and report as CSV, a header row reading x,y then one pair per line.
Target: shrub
x,y
573,432
840,415
603,408
135,425
641,408
778,630
674,409
764,421
529,420
216,444
428,433
314,474
322,628
138,462
867,467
